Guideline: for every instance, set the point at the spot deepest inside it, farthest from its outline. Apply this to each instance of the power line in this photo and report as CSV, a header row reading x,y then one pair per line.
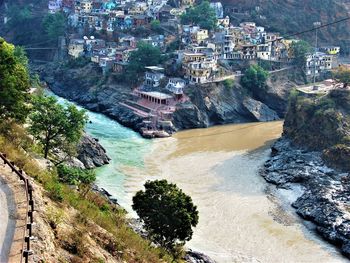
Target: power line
x,y
312,29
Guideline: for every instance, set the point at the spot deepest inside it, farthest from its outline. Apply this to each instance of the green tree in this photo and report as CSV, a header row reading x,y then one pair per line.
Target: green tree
x,y
55,126
21,55
145,55
167,212
342,74
14,83
254,78
300,49
156,26
54,25
202,15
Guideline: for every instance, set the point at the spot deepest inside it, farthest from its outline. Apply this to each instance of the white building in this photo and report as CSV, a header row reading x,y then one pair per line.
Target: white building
x,y
153,76
317,63
76,48
54,6
176,85
264,51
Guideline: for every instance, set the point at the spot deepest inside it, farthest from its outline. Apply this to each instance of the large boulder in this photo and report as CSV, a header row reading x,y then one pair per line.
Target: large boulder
x,y
91,153
259,110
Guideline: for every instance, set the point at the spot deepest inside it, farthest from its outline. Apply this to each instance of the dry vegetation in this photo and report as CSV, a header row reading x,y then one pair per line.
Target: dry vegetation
x,y
74,225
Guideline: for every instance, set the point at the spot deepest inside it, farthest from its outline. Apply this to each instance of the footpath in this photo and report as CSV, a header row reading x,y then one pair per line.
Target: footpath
x,y
12,215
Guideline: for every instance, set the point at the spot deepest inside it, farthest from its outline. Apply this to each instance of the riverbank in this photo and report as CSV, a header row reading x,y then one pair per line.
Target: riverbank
x,y
325,191
242,218
125,148
208,105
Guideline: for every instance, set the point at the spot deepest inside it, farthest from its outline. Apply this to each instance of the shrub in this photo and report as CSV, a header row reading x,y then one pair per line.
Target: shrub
x,y
228,83
75,176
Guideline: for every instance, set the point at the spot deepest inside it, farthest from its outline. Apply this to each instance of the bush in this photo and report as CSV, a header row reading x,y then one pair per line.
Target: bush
x,y
79,62
55,191
228,83
254,79
75,176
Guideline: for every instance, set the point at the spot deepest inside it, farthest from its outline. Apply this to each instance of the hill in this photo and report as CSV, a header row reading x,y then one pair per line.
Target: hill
x,y
293,16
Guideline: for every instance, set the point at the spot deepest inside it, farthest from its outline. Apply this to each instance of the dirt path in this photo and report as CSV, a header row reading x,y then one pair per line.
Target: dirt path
x,y
7,219
12,215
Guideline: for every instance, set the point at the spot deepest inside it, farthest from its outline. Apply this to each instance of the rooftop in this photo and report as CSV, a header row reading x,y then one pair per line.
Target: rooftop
x,y
156,94
154,68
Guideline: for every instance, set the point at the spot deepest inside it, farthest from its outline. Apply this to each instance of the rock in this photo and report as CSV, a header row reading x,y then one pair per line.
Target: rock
x,y
210,104
327,191
259,110
188,116
91,153
75,162
338,156
197,257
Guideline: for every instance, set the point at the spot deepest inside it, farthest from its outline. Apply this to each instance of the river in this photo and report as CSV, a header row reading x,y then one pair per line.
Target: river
x,y
241,217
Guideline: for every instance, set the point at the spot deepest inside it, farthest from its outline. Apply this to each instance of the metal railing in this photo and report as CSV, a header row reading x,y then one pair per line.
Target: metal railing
x,y
27,234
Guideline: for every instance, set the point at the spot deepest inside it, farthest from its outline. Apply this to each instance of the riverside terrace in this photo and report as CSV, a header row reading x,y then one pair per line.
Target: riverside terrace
x,y
322,88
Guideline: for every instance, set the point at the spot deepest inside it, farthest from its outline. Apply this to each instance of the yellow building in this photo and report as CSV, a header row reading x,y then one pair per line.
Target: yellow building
x,y
200,35
332,50
187,2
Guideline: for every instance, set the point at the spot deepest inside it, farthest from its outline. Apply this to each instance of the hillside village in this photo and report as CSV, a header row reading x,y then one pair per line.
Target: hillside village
x,y
85,83
107,32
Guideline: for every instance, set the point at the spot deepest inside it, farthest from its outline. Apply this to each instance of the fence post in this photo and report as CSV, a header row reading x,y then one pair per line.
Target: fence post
x,y
30,192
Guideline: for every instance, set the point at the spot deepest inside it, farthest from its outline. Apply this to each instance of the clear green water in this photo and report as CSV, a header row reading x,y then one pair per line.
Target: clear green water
x,y
125,147
242,218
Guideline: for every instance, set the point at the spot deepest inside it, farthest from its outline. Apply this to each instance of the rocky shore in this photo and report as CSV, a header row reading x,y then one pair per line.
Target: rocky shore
x,y
210,104
90,154
326,197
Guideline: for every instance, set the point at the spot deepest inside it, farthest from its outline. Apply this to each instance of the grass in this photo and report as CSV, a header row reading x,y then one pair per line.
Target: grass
x,y
90,206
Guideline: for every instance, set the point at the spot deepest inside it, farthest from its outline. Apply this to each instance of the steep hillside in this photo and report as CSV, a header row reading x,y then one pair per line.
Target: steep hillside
x,y
322,124
314,155
293,16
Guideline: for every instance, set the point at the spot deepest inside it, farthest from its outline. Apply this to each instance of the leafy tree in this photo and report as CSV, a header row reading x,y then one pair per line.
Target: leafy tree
x,y
54,25
167,212
145,55
300,49
342,74
202,15
156,27
56,126
21,55
14,83
254,78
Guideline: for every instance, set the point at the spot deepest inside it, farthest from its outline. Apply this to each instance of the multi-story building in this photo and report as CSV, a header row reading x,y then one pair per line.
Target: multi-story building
x,y
153,76
176,86
330,50
317,63
76,48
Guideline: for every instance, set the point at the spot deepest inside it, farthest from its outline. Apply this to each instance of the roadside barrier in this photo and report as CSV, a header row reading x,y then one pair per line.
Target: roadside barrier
x,y
27,235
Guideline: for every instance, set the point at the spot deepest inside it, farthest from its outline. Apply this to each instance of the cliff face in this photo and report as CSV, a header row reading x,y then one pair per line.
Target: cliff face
x,y
215,104
210,104
89,88
314,153
323,124
294,16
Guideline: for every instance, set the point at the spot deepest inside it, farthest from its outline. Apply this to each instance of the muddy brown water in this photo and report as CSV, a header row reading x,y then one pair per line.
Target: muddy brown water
x,y
241,217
